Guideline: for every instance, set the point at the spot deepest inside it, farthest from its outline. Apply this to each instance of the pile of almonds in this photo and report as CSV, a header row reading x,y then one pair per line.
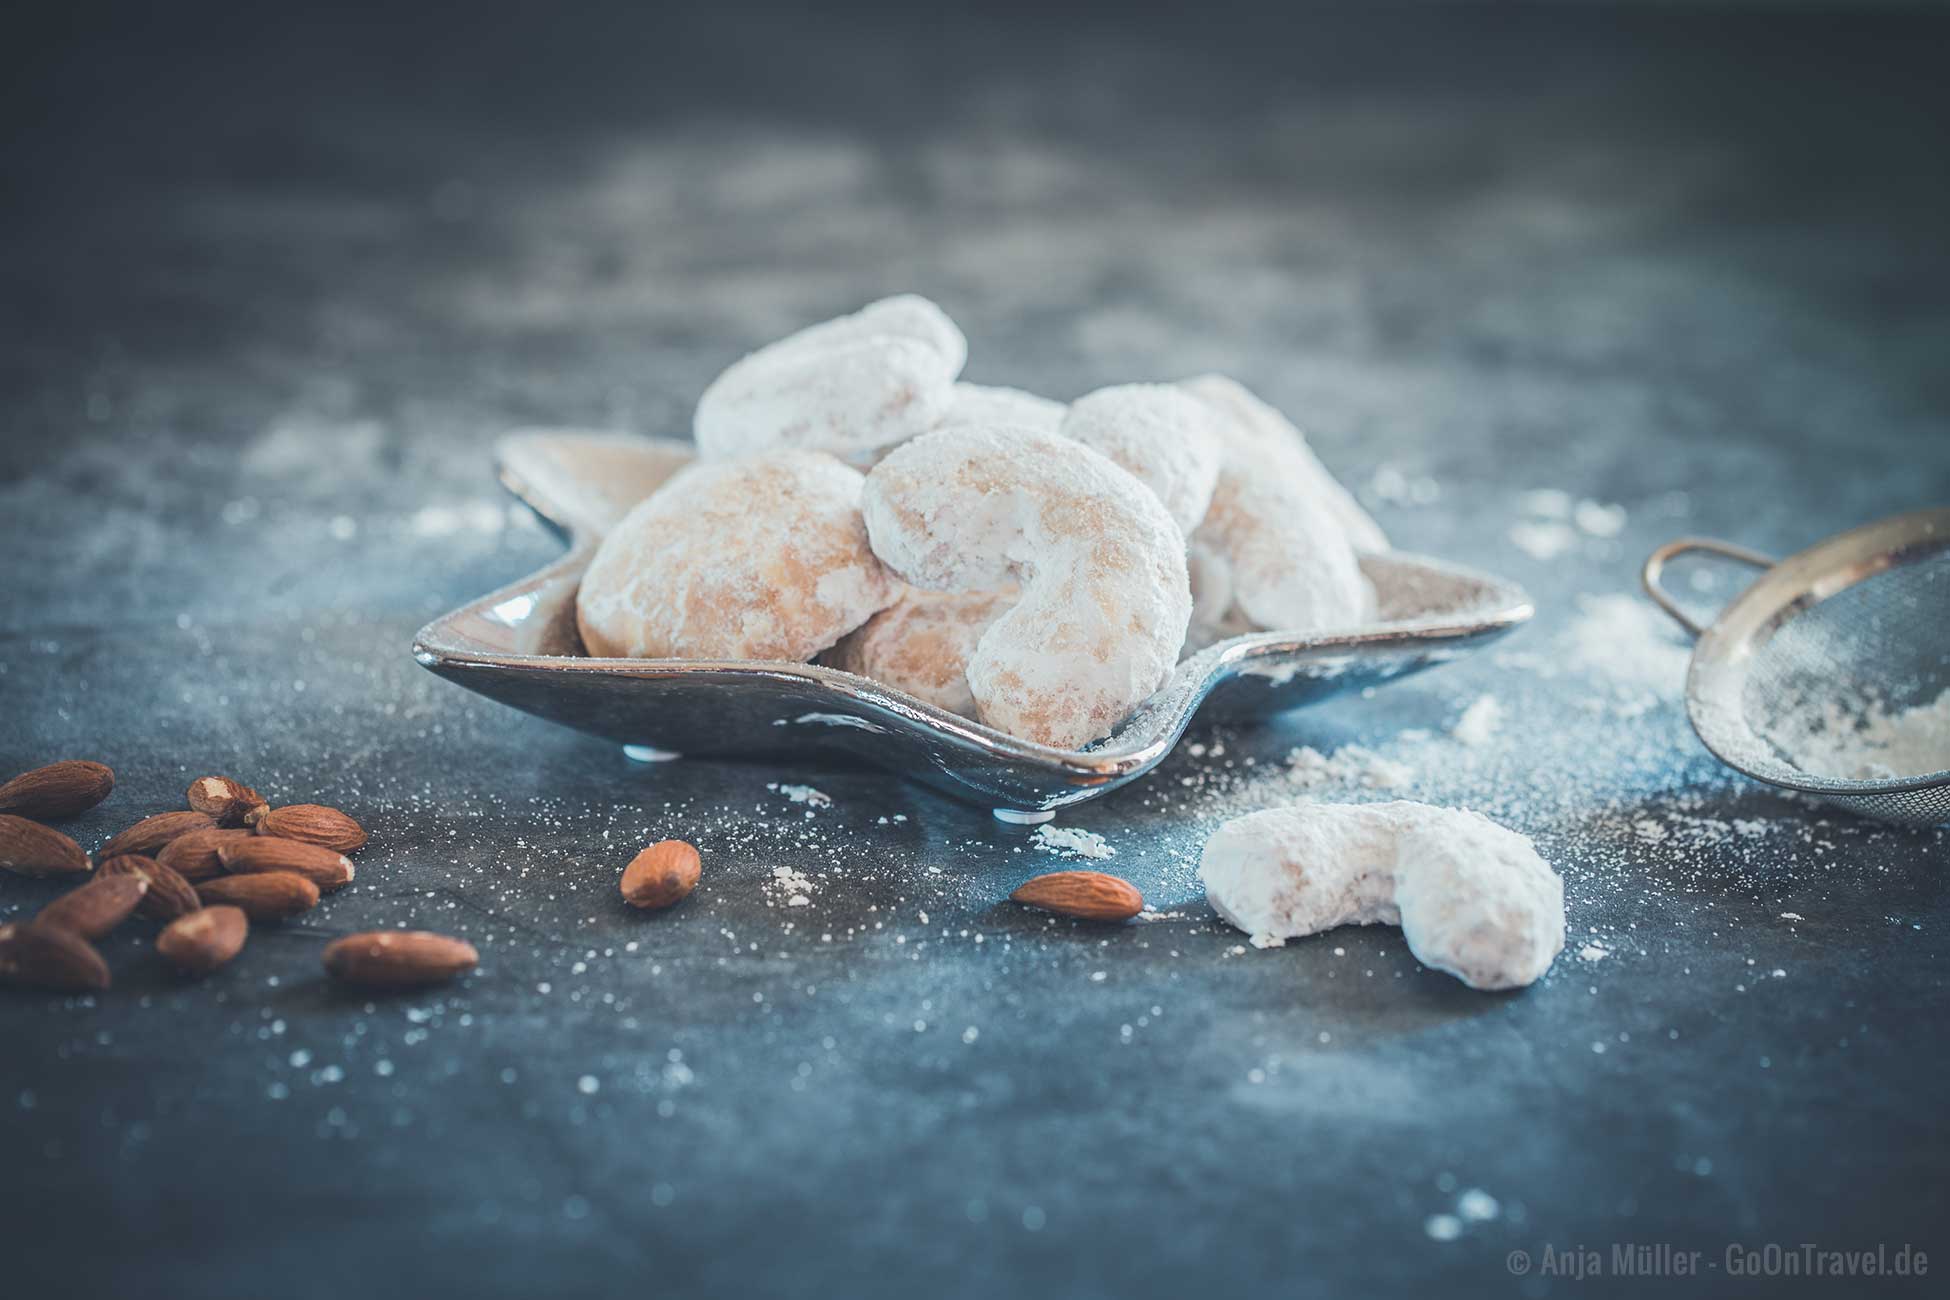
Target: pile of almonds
x,y
206,873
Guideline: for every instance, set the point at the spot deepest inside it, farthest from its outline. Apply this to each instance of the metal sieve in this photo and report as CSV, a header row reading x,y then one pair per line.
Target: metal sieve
x,y
1856,623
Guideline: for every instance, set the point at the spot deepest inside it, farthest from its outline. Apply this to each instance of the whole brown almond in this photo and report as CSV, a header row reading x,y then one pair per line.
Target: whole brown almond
x,y
225,799
198,855
151,833
39,956
169,896
1086,895
316,863
205,939
58,790
662,875
264,896
32,849
315,824
97,907
397,959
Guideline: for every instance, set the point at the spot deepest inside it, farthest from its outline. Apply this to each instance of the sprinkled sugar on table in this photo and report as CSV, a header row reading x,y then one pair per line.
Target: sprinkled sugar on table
x,y
1546,290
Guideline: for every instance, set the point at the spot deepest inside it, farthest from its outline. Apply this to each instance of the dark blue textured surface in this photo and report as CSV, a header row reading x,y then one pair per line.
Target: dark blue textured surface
x,y
270,286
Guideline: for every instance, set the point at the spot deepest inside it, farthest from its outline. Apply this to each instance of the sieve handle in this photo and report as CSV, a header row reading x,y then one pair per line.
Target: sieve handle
x,y
1655,565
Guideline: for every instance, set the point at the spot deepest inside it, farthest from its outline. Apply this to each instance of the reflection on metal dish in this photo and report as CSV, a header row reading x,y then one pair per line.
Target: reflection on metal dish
x,y
519,645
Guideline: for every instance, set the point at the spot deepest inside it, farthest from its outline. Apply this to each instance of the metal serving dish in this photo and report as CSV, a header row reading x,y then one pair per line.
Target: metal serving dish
x,y
519,645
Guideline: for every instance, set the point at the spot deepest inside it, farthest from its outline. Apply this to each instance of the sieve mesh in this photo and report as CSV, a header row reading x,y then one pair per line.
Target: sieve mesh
x,y
1856,627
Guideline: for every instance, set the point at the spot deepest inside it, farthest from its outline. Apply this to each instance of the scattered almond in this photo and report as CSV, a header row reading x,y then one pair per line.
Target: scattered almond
x,y
58,790
316,863
661,875
204,940
47,957
264,896
96,907
398,958
1087,895
169,896
315,824
198,854
32,849
226,799
151,833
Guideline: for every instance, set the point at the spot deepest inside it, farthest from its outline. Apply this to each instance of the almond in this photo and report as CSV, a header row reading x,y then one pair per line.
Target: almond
x,y
316,863
264,896
96,907
204,940
315,824
395,959
151,833
36,850
58,790
1087,895
226,799
661,875
169,896
47,957
197,855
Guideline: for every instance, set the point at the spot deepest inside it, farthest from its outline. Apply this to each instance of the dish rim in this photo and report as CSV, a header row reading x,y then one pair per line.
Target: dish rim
x,y
437,647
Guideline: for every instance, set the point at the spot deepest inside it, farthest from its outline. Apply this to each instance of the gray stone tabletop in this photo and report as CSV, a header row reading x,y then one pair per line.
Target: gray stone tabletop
x,y
1546,288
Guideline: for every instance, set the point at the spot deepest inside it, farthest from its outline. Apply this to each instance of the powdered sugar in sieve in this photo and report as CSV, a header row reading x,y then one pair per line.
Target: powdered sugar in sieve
x,y
1831,673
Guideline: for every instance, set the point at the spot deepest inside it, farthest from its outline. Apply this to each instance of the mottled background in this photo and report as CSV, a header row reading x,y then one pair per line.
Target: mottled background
x,y
272,280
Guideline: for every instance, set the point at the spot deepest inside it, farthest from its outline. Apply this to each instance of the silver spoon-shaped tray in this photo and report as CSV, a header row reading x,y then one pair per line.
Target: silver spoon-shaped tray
x,y
519,645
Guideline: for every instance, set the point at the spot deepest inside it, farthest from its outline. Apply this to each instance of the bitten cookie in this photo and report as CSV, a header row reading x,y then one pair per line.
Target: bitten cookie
x,y
1473,898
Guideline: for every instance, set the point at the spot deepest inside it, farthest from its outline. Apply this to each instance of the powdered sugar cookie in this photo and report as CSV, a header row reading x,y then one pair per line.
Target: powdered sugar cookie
x,y
922,643
764,557
1477,900
1473,898
987,404
1288,872
1238,405
847,386
1215,615
1291,566
1279,536
1158,433
1100,564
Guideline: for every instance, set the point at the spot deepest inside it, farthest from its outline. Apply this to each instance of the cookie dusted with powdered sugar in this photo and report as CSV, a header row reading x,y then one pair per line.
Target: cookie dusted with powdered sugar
x,y
763,557
1238,405
1215,615
986,404
848,386
1161,435
1472,898
922,643
1277,531
1100,564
